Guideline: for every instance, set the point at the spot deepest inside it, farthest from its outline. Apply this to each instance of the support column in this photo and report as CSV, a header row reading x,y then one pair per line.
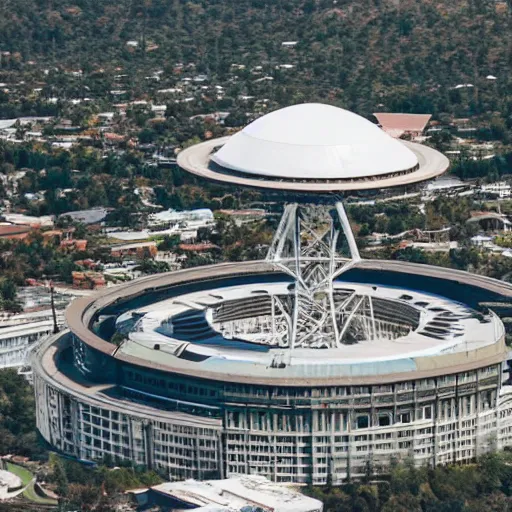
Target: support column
x,y
306,247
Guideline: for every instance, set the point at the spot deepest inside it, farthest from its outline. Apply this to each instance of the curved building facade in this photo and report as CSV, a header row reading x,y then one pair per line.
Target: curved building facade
x,y
310,367
178,373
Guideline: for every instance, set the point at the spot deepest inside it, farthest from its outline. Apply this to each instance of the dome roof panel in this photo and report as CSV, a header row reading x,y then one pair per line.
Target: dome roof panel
x,y
314,141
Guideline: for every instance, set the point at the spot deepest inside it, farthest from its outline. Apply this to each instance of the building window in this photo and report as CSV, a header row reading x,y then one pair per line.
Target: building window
x,y
405,417
384,420
362,421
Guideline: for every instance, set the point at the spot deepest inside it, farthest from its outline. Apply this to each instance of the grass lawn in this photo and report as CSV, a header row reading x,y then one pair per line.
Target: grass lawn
x,y
29,493
25,475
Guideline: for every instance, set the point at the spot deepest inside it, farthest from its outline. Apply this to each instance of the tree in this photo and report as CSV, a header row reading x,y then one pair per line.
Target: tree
x,y
59,477
149,266
441,140
364,230
405,502
395,225
8,291
146,136
17,416
203,234
491,470
169,243
229,202
236,119
410,254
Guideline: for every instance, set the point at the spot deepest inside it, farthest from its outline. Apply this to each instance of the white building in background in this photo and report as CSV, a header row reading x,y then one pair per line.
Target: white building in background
x,y
16,340
106,118
445,185
169,222
20,332
245,493
127,270
501,189
191,218
45,221
10,485
482,241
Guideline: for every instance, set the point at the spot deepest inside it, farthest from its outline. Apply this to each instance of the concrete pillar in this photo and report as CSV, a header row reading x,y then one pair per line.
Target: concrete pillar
x,y
221,447
147,429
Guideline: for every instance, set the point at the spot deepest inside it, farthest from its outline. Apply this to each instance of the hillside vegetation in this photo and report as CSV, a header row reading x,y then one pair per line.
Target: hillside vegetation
x,y
17,416
405,54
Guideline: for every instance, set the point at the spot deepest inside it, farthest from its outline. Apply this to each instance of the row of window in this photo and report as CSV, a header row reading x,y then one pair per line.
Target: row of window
x,y
184,388
173,385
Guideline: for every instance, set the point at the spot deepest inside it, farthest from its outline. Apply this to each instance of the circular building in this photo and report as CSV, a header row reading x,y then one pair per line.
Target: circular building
x,y
313,148
311,366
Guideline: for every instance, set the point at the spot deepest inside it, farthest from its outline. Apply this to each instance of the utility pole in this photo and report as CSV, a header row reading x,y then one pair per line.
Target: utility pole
x,y
54,313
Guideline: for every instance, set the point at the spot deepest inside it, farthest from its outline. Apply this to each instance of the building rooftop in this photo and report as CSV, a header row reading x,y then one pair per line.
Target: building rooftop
x,y
256,212
182,216
313,148
234,494
217,327
92,216
392,122
9,480
128,247
445,336
198,247
313,140
7,123
10,230
19,218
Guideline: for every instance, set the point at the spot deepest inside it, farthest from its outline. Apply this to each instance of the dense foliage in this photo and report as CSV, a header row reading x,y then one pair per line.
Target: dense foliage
x,y
17,416
36,258
405,54
492,169
80,487
485,486
98,489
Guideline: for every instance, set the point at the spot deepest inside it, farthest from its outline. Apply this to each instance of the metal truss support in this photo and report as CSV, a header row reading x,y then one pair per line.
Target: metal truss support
x,y
307,246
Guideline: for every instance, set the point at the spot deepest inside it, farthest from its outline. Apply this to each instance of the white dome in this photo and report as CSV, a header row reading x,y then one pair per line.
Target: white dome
x,y
314,141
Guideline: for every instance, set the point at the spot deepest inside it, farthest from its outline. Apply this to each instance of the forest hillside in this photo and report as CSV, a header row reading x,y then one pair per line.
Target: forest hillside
x,y
364,51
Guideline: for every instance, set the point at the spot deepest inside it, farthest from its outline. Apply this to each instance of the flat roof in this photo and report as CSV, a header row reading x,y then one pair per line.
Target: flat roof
x,y
240,491
13,229
136,245
383,353
402,122
81,312
91,216
22,330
